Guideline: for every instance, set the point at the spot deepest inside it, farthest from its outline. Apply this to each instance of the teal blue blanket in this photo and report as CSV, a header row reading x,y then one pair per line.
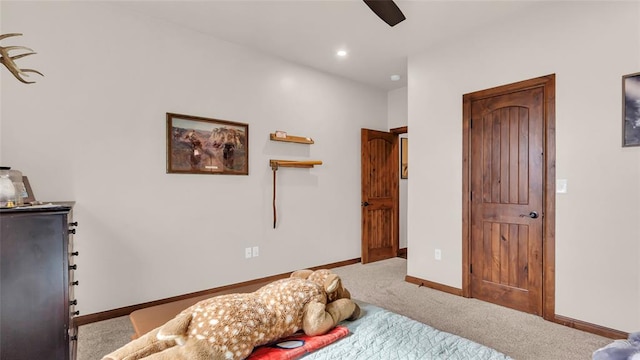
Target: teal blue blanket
x,y
383,335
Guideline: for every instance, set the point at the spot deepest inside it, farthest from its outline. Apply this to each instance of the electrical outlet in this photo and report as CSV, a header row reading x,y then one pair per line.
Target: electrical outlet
x,y
438,254
256,251
247,253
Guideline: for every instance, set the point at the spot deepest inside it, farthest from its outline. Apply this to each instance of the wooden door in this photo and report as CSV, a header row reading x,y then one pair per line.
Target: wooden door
x,y
506,184
379,195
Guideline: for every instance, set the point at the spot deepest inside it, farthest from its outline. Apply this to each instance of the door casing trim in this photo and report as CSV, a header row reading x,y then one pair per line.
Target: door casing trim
x,y
549,188
401,252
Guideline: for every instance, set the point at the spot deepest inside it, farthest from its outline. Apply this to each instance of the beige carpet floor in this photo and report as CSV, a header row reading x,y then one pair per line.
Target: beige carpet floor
x,y
519,335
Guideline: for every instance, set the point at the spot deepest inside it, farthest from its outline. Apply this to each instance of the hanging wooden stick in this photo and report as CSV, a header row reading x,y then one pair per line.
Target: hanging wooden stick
x,y
275,168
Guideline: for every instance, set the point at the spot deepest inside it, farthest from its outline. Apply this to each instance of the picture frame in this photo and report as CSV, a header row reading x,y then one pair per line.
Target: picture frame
x,y
631,110
199,145
404,158
30,196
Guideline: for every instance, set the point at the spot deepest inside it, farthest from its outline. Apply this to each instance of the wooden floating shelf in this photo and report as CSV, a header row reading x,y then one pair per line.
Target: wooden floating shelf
x,y
291,138
275,164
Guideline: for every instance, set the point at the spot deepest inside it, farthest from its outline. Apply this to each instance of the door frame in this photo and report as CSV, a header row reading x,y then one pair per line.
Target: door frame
x,y
549,186
401,252
396,223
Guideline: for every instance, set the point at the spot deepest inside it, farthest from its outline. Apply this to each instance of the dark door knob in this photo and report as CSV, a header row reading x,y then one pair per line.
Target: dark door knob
x,y
533,215
364,203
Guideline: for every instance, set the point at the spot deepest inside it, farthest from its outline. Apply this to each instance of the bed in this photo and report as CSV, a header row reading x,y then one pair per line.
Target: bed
x,y
377,334
382,334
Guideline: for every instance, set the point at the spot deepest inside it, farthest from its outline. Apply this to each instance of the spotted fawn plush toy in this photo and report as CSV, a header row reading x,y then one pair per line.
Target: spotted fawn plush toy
x,y
230,326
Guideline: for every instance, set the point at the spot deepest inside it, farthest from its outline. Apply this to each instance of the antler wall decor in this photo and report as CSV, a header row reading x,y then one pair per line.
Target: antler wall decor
x,y
9,61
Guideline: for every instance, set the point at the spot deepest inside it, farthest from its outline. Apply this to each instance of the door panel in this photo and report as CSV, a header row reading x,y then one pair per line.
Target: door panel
x,y
379,195
506,187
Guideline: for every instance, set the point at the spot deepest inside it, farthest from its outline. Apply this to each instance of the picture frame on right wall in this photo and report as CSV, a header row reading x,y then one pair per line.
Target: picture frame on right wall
x,y
631,110
404,158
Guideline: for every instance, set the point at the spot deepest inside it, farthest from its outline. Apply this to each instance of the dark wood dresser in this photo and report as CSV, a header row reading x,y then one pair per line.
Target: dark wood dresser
x,y
36,289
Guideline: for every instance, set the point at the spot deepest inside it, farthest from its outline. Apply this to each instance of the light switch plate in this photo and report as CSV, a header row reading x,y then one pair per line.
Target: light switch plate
x,y
561,186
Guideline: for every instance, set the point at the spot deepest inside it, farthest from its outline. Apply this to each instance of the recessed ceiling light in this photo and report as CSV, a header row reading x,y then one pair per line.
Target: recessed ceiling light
x,y
341,53
395,77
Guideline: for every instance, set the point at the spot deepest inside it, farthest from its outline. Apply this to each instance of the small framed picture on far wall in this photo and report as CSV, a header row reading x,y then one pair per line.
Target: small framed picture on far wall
x,y
631,110
404,158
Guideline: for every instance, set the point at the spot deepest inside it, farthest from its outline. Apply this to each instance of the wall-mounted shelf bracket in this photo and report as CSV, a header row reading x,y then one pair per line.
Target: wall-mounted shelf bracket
x,y
291,138
275,164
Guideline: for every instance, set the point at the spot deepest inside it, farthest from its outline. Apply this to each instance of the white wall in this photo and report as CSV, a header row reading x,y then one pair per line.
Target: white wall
x,y
397,117
397,110
589,46
93,130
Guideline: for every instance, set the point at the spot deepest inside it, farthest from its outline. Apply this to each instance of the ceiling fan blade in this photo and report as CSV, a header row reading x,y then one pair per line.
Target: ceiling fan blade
x,y
387,10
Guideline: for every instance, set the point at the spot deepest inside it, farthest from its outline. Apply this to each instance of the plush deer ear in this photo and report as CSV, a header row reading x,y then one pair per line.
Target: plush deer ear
x,y
331,283
302,274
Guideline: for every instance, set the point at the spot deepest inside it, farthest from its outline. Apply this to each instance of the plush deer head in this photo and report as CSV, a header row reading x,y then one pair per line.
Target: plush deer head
x,y
9,61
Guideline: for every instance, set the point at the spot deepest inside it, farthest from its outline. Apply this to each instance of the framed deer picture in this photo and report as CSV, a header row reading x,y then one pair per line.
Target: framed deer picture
x,y
198,145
